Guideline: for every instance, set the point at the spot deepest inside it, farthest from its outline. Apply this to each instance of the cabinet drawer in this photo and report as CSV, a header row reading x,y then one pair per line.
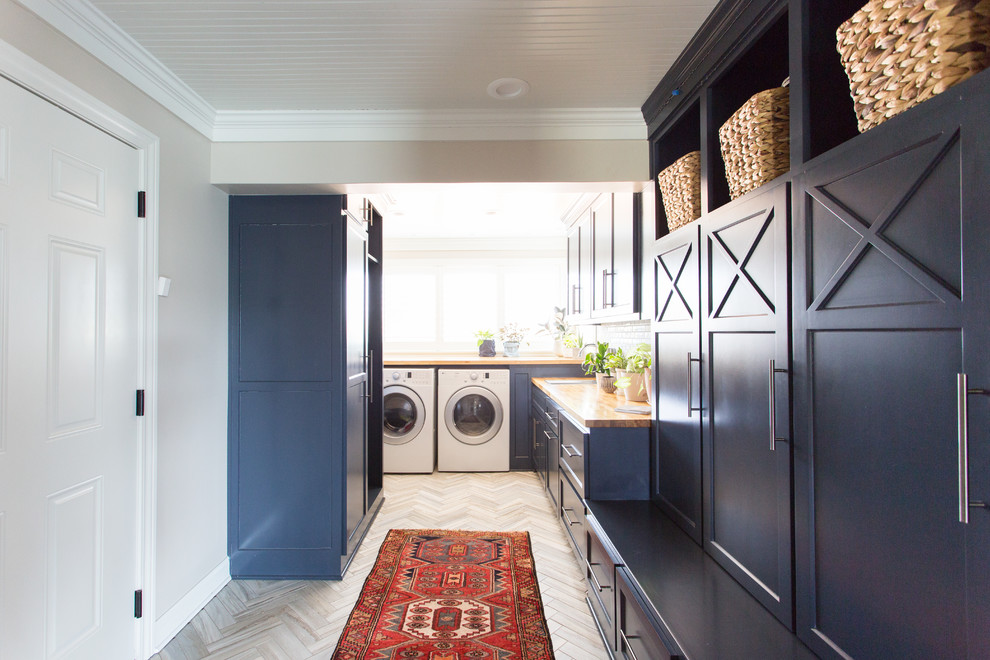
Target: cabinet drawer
x,y
545,409
572,514
572,451
638,635
550,412
599,572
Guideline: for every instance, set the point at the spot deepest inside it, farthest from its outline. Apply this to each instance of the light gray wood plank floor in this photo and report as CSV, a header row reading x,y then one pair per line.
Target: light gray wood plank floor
x,y
299,620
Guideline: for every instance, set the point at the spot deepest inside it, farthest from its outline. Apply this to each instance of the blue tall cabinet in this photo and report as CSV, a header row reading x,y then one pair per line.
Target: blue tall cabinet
x,y
302,483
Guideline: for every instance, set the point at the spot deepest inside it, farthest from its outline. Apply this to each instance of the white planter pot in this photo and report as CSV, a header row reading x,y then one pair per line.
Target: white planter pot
x,y
637,389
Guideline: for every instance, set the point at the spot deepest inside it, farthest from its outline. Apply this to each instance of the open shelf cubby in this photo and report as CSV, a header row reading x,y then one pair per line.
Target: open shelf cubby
x,y
830,106
763,65
681,136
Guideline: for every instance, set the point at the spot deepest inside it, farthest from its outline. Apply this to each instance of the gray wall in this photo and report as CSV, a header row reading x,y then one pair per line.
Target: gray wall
x,y
192,392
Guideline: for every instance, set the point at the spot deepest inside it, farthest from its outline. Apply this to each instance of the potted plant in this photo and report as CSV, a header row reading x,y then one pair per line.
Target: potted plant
x,y
556,327
635,381
616,363
572,344
511,335
486,343
595,363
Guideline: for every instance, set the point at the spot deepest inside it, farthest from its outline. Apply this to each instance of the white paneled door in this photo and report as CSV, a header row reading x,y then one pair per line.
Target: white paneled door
x,y
69,365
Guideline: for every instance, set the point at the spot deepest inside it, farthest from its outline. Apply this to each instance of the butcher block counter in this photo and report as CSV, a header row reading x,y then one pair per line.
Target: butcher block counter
x,y
472,359
589,406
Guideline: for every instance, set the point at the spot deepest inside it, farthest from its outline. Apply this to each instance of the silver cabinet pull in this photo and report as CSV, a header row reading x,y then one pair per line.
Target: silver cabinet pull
x,y
563,513
773,404
594,580
625,642
567,450
962,412
690,384
370,368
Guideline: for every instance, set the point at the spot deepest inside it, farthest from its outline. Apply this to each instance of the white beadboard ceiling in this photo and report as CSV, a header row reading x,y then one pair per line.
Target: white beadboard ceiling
x,y
230,67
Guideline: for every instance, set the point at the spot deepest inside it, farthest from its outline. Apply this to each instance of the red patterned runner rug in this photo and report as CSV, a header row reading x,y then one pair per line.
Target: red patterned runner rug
x,y
437,594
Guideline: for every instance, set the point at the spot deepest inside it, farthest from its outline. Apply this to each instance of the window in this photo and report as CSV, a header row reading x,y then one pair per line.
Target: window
x,y
436,302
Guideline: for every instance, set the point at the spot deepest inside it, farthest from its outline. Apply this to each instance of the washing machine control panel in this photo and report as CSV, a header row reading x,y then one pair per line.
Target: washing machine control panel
x,y
410,377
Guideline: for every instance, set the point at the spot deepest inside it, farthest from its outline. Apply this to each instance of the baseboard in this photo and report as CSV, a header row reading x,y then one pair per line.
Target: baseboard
x,y
171,622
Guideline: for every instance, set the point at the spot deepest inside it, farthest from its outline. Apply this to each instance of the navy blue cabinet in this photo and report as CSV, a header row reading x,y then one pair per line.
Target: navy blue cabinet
x,y
722,458
745,358
891,311
676,468
523,393
298,472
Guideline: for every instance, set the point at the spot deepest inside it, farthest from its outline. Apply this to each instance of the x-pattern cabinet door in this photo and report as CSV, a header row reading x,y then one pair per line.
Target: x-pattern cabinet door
x,y
676,325
746,404
891,305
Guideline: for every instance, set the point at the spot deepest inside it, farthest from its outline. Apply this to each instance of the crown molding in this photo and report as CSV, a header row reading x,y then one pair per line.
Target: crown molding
x,y
389,126
83,23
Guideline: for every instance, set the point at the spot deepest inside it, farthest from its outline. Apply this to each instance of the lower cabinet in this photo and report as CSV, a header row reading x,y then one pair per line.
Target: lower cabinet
x,y
599,571
639,634
572,514
652,590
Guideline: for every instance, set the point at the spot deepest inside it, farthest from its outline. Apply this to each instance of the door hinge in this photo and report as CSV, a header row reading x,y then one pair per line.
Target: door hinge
x,y
138,604
141,202
139,404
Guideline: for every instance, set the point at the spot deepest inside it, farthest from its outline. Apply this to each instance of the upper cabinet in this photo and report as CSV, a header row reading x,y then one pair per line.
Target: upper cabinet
x,y
603,258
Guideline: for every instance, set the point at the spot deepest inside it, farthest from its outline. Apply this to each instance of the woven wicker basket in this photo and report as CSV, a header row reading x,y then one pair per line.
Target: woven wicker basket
x,y
898,54
756,141
680,188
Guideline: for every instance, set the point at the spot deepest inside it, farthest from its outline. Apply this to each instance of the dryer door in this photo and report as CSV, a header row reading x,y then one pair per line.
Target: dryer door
x,y
473,415
404,415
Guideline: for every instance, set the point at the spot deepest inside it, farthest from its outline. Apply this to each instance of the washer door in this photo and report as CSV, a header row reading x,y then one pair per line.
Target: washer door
x,y
473,415
404,414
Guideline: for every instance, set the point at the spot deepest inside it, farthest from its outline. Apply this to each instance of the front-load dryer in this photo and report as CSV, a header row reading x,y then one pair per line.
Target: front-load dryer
x,y
410,410
473,420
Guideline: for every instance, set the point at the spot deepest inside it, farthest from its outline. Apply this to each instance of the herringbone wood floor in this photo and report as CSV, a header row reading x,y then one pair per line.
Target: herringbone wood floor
x,y
297,620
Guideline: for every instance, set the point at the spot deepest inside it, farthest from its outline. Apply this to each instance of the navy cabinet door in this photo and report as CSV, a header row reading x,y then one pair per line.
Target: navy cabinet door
x,y
283,384
745,360
890,302
976,362
676,478
356,409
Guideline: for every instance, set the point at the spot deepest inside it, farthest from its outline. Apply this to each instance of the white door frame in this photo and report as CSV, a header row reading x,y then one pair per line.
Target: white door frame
x,y
36,78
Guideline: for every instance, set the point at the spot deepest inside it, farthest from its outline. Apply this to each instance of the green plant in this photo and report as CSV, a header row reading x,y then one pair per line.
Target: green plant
x,y
482,335
640,359
556,327
573,340
615,360
594,362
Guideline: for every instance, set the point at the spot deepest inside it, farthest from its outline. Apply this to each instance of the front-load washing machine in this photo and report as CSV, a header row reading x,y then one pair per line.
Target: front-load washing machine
x,y
473,420
410,411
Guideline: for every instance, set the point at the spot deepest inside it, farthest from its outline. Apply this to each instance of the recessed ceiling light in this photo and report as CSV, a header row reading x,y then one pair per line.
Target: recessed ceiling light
x,y
508,88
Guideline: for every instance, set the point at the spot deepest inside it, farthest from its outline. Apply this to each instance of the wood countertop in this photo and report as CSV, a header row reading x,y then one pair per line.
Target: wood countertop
x,y
590,406
444,359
